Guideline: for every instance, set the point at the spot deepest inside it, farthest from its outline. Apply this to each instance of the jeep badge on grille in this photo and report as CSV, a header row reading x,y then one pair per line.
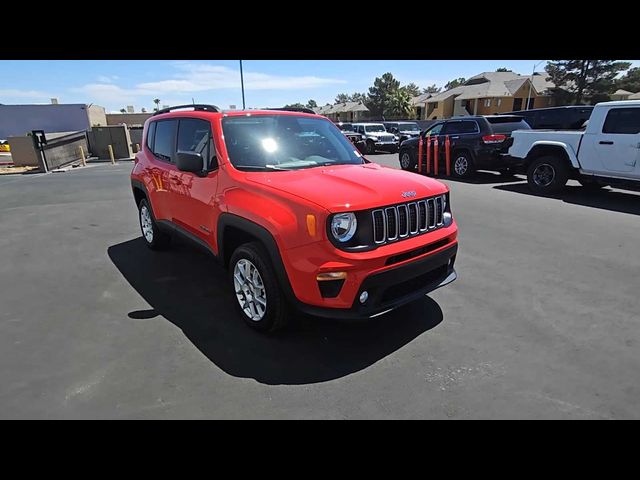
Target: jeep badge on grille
x,y
411,193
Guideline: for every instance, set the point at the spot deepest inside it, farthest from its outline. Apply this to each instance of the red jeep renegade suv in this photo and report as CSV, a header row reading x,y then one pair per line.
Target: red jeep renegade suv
x,y
298,216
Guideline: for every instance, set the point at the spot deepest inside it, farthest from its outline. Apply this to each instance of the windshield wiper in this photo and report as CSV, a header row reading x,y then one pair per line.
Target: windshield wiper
x,y
261,167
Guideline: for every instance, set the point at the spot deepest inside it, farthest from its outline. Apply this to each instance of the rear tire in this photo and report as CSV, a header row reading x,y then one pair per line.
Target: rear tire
x,y
155,238
407,160
259,299
462,165
547,174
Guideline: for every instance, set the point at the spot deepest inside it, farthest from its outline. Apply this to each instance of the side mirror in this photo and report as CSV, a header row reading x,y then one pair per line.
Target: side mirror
x,y
189,162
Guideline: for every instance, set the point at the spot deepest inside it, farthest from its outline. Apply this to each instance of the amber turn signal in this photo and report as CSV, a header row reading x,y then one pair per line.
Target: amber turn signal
x,y
327,276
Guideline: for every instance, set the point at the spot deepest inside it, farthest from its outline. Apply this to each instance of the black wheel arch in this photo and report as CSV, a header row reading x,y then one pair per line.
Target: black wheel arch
x,y
234,230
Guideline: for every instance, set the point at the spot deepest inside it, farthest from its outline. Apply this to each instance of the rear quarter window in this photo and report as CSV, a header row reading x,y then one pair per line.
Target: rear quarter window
x,y
151,134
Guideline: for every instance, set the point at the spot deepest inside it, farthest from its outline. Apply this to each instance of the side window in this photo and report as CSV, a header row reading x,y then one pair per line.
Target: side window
x,y
194,135
467,126
435,130
622,121
165,139
151,135
452,128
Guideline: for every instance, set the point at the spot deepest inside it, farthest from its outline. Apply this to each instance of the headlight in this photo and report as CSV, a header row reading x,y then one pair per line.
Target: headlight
x,y
343,226
396,137
447,217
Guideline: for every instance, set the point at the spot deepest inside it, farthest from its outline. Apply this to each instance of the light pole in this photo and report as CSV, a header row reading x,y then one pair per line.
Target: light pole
x,y
242,84
531,83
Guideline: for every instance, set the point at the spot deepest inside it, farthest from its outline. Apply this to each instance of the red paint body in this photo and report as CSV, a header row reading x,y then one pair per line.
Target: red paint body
x,y
280,202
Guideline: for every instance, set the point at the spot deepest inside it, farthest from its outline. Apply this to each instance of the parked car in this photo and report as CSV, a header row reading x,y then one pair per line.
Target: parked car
x,y
4,146
476,143
299,218
377,137
356,138
404,130
556,118
606,153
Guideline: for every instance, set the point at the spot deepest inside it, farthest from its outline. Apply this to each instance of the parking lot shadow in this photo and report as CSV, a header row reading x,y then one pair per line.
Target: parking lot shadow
x,y
605,199
188,288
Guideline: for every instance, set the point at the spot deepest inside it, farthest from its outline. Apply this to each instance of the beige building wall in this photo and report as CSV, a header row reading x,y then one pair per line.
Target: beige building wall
x,y
97,115
129,119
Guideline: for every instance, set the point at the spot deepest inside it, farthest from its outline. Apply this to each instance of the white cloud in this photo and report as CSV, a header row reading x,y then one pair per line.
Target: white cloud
x,y
16,93
192,77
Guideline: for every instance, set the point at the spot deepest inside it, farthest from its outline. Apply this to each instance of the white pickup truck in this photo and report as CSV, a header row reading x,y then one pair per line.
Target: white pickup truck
x,y
606,153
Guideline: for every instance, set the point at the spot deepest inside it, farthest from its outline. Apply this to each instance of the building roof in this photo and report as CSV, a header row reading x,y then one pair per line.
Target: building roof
x,y
342,108
492,84
420,99
635,96
622,92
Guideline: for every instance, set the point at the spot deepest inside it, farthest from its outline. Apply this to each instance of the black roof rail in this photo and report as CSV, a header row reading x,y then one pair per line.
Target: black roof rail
x,y
196,107
294,109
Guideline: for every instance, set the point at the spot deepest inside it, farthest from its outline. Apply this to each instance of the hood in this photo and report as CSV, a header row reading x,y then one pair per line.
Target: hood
x,y
380,134
410,132
350,187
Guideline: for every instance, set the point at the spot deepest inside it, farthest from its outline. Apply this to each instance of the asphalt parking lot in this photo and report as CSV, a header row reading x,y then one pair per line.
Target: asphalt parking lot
x,y
543,321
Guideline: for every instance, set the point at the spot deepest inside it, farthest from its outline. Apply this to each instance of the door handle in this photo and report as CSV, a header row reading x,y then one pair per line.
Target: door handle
x,y
605,142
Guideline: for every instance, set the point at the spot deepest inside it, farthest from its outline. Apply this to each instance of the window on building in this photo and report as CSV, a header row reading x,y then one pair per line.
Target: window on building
x,y
487,102
499,102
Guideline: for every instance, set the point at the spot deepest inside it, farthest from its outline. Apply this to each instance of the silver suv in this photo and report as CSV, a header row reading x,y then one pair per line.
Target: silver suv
x,y
377,137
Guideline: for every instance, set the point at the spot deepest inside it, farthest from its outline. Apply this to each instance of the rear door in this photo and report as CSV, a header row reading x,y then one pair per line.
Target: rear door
x,y
616,149
194,196
160,143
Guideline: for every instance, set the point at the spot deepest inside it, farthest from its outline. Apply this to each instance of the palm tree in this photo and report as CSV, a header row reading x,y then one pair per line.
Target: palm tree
x,y
400,104
122,110
157,102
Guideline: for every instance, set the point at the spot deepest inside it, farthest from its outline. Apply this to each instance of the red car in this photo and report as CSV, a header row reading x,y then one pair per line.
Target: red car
x,y
298,216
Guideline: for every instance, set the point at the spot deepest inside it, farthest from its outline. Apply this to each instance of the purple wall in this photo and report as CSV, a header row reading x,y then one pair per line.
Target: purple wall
x,y
17,120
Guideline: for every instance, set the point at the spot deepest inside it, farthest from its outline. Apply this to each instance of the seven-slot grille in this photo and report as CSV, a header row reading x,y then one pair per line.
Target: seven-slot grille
x,y
408,219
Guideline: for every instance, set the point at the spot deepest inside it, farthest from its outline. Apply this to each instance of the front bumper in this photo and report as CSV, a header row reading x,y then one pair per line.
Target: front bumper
x,y
396,286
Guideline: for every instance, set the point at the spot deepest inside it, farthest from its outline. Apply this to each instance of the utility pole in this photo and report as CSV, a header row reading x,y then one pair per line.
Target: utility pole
x,y
242,84
526,107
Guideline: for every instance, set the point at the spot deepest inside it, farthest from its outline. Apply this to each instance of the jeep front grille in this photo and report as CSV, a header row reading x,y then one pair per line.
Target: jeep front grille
x,y
408,219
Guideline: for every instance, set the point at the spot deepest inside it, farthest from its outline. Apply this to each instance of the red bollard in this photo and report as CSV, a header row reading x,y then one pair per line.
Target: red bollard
x,y
420,155
428,155
447,156
436,159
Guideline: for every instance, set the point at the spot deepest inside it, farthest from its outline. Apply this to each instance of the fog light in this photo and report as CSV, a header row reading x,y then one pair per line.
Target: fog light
x,y
364,296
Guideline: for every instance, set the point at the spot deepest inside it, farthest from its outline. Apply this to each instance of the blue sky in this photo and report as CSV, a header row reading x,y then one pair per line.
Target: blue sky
x,y
116,84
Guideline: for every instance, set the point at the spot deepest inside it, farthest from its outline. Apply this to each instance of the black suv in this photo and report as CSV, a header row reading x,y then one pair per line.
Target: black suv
x,y
477,143
404,130
556,118
356,138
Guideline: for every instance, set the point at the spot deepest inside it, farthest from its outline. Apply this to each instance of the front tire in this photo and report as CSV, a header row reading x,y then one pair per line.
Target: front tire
x,y
407,161
547,174
371,148
259,298
152,235
462,165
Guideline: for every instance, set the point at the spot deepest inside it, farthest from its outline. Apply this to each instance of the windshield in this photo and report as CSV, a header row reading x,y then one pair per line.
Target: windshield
x,y
408,127
374,128
346,127
285,142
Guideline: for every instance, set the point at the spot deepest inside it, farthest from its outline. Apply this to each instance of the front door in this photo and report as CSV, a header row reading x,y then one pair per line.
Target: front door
x,y
193,196
617,148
